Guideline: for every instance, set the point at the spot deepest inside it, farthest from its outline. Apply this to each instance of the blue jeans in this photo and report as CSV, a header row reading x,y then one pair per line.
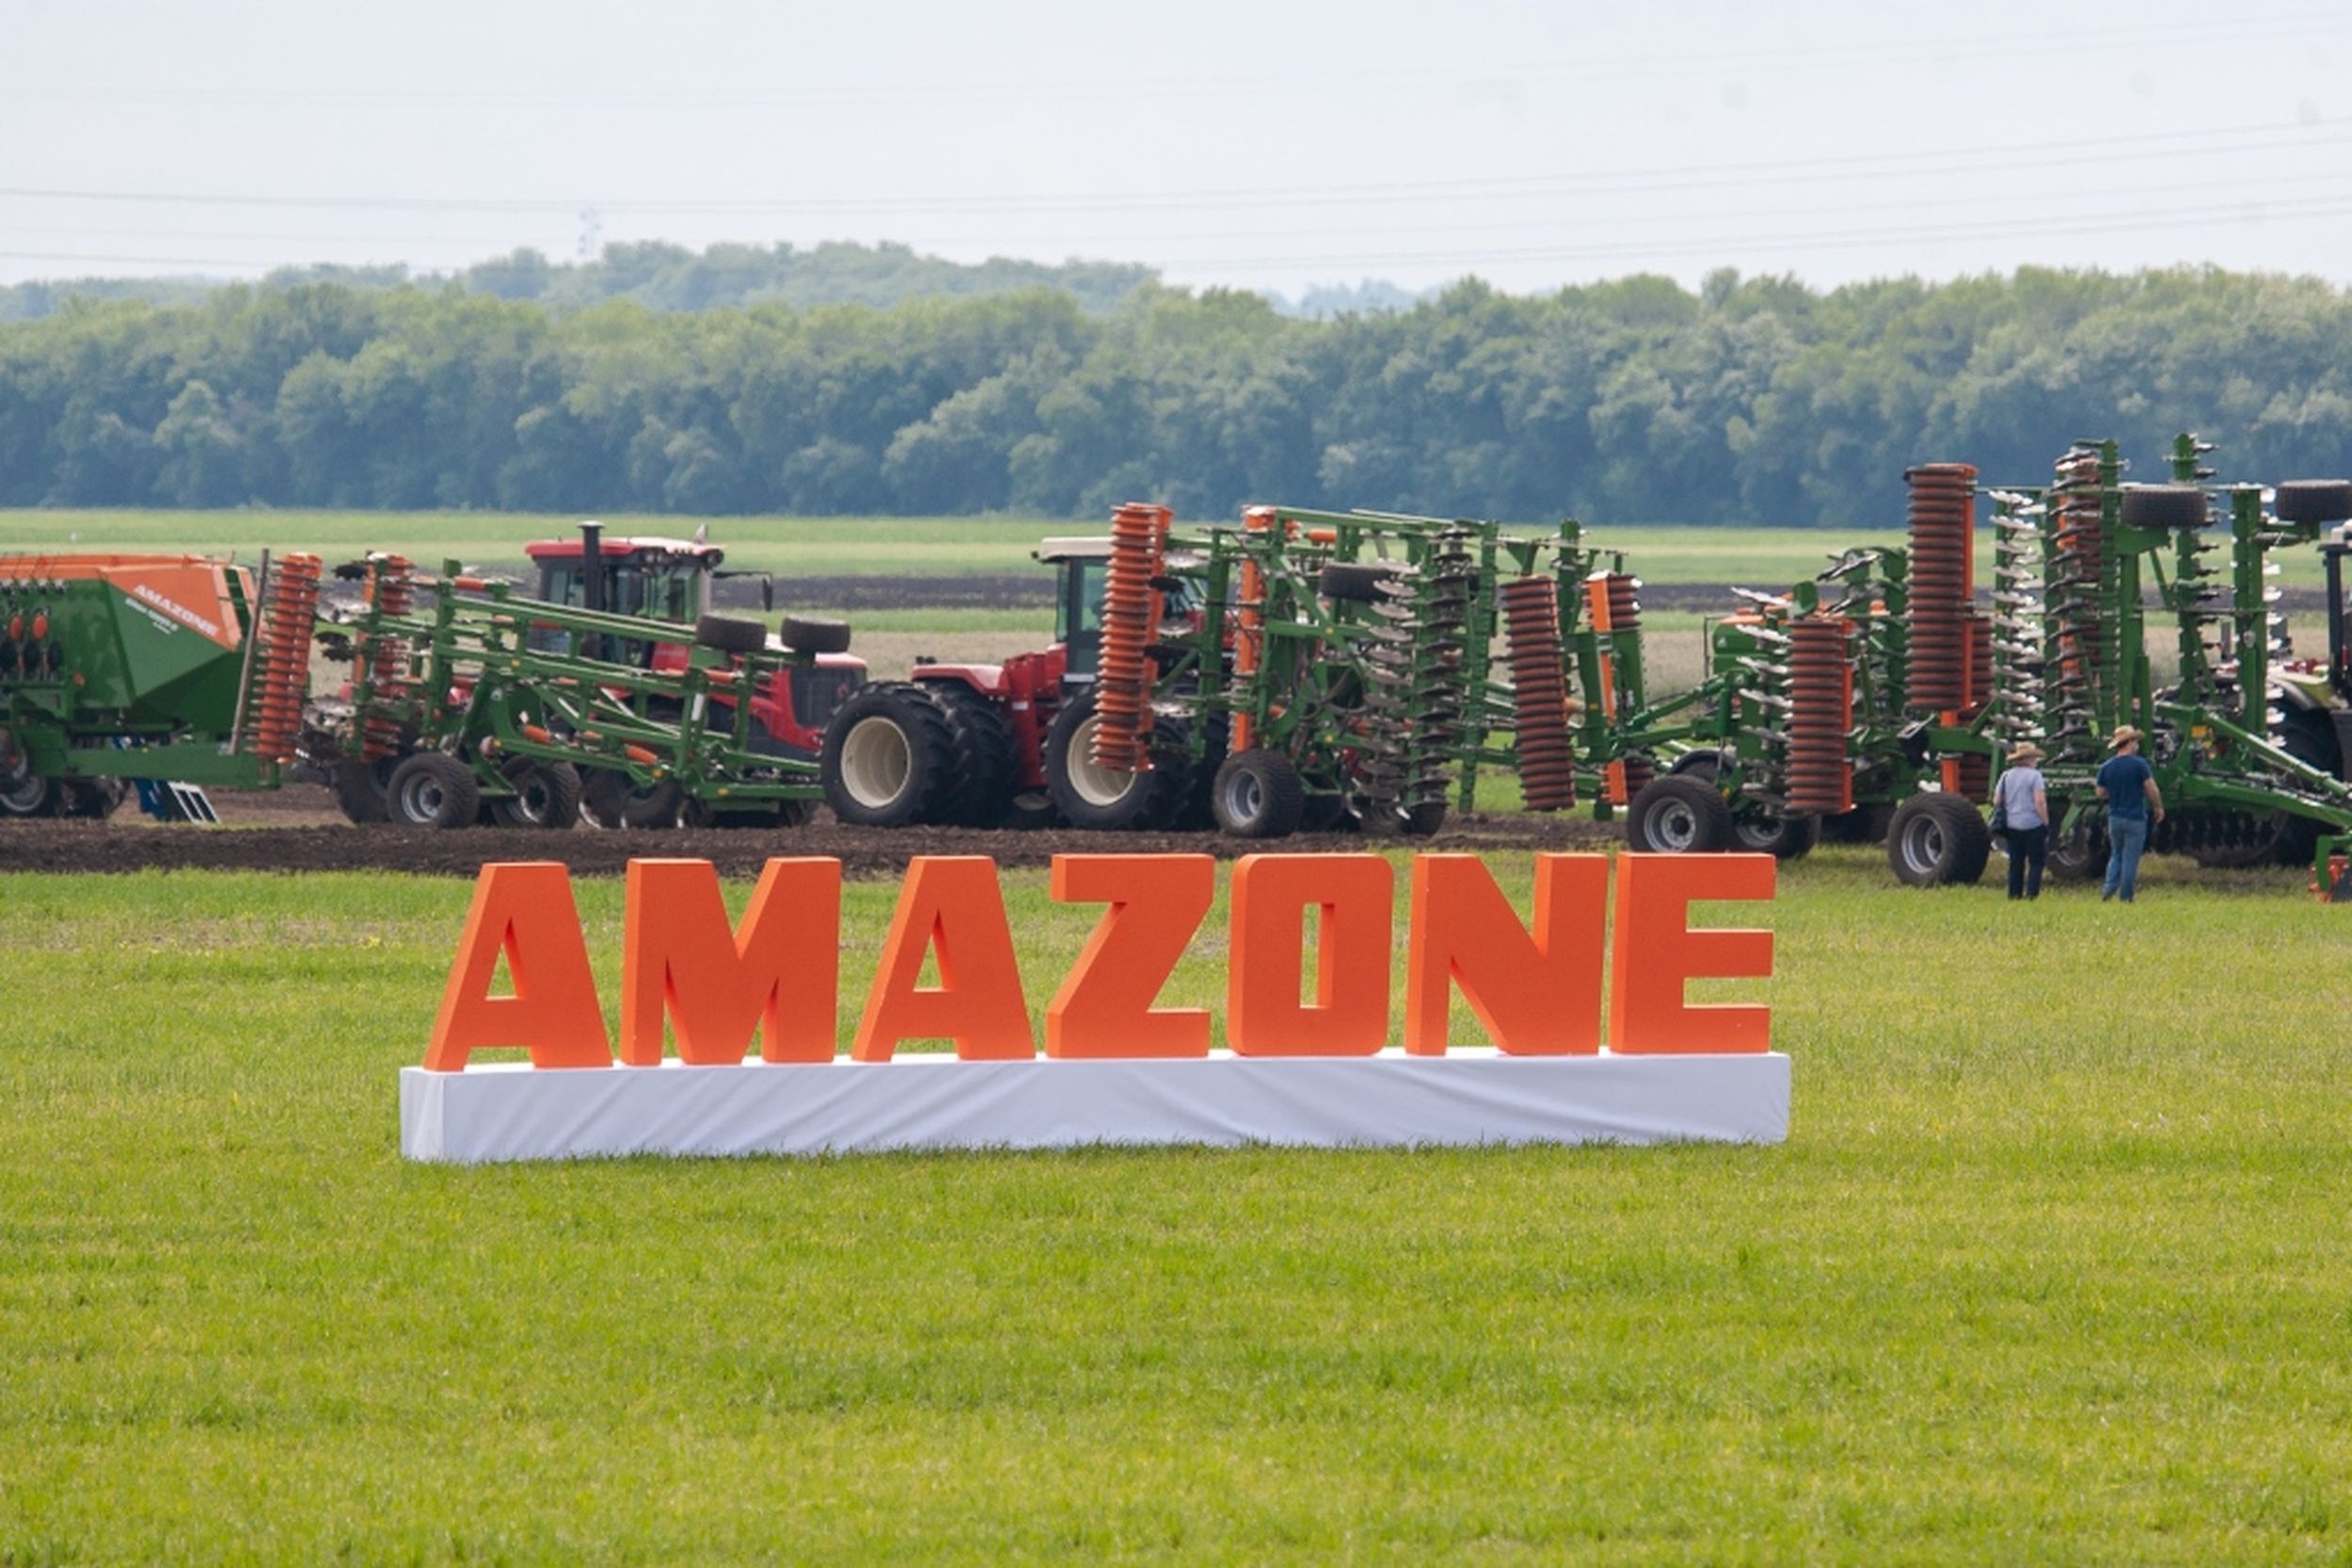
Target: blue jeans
x,y
2127,836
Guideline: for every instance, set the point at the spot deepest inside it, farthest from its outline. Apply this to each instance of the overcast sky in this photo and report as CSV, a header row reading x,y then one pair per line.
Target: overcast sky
x,y
1266,145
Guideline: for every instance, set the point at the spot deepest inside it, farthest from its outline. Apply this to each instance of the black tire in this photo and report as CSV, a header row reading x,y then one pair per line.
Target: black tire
x,y
1785,838
547,795
1324,813
2314,501
1681,815
2309,738
1937,839
730,634
2164,507
1422,820
889,758
2080,856
610,798
981,778
1257,794
359,787
1354,582
1697,765
1027,811
92,800
810,634
1862,825
1103,799
433,790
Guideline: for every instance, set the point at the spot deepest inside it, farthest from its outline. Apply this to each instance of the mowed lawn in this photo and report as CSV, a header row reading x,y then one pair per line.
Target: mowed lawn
x,y
2054,1267
829,547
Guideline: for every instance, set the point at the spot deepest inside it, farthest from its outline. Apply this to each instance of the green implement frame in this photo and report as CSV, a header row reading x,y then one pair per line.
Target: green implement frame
x,y
486,675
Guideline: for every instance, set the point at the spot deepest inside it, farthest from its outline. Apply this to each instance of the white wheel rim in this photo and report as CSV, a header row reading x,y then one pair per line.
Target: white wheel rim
x,y
1096,787
422,801
1673,826
876,762
1245,797
1923,847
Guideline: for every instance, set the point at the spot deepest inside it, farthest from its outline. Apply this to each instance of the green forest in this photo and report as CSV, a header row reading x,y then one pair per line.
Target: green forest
x,y
1750,399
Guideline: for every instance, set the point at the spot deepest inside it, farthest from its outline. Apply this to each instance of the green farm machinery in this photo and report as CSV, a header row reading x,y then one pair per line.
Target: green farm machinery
x,y
175,671
489,702
468,702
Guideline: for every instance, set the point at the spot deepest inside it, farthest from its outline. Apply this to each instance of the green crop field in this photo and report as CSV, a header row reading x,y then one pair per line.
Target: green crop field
x,y
831,547
2054,1268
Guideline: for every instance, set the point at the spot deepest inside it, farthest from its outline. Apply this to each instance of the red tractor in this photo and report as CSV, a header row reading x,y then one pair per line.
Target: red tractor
x,y
1007,745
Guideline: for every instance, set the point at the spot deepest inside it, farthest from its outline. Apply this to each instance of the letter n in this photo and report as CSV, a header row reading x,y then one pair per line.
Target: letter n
x,y
1536,992
524,911
777,973
950,902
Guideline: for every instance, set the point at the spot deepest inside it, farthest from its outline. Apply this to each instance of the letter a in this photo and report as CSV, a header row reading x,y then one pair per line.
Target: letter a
x,y
523,909
1537,994
718,985
950,902
1656,953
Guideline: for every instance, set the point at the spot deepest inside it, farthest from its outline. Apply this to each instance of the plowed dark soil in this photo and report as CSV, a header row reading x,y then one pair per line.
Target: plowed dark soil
x,y
253,840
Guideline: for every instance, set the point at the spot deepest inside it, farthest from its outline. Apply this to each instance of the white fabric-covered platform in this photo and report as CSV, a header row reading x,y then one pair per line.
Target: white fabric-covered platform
x,y
936,1102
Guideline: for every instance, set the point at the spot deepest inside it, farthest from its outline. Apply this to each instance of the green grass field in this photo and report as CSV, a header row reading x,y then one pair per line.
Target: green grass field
x,y
2054,1268
789,547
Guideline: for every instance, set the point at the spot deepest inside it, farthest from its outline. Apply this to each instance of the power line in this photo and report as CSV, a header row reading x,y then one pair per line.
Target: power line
x,y
2039,155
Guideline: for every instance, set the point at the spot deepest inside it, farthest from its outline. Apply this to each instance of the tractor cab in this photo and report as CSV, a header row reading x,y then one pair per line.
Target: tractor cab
x,y
648,577
1082,563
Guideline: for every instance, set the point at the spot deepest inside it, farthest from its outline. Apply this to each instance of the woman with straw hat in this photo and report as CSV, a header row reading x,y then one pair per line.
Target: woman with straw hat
x,y
2021,808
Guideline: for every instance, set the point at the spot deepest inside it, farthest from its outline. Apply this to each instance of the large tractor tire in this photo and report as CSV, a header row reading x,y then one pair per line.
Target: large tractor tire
x,y
1936,839
358,786
547,795
433,790
1678,814
890,758
982,770
1107,800
2079,856
1257,794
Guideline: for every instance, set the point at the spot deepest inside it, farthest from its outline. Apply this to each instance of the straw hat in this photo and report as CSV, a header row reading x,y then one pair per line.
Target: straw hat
x,y
2025,751
2123,735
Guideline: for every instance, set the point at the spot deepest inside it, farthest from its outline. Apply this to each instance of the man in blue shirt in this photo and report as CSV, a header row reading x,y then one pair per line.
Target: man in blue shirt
x,y
2128,785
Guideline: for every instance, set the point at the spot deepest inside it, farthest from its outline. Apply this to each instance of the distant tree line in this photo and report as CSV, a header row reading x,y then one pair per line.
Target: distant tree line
x,y
1750,400
665,276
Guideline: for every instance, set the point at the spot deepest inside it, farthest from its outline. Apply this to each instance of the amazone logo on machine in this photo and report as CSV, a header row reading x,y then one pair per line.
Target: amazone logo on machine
x,y
1536,988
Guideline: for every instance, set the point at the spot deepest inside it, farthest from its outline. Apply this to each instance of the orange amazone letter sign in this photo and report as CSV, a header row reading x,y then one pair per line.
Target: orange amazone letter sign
x,y
778,972
523,909
1655,953
1357,897
1537,994
1104,1007
949,902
